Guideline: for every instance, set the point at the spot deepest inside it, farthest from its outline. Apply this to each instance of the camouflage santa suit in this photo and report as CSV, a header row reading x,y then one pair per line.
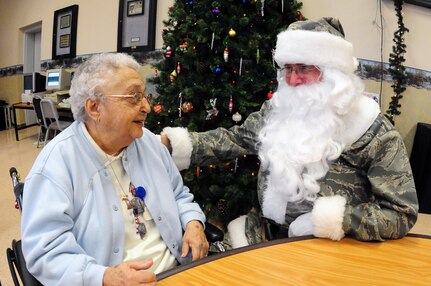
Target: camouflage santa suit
x,y
373,174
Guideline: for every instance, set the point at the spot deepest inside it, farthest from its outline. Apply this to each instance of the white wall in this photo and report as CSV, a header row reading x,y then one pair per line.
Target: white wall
x,y
361,21
96,31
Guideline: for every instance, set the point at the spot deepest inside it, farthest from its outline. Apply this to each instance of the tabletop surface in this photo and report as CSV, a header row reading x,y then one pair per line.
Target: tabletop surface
x,y
27,105
314,261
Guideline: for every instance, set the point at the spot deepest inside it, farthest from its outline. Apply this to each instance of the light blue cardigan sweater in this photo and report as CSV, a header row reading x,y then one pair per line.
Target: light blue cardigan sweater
x,y
72,225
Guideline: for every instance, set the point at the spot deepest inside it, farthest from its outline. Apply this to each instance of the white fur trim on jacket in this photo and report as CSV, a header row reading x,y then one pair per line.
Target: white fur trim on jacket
x,y
181,146
327,216
236,229
359,119
314,48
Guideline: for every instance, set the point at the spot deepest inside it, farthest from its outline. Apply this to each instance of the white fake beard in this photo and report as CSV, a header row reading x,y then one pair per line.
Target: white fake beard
x,y
303,133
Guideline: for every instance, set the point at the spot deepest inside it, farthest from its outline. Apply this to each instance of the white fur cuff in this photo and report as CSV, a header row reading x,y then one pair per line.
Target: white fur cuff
x,y
181,146
327,216
236,229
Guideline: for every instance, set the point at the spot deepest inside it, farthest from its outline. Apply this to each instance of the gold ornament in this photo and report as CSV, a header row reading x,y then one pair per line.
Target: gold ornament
x,y
173,75
232,33
237,117
187,106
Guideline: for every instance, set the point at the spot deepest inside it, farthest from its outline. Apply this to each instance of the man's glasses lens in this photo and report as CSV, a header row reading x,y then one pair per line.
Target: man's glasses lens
x,y
299,69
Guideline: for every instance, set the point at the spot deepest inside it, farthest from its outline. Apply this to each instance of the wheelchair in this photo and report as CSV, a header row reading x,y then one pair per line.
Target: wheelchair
x,y
15,257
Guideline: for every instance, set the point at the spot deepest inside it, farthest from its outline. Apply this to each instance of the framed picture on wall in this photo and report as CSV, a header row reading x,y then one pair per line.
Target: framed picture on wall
x,y
136,26
64,21
64,33
135,8
64,41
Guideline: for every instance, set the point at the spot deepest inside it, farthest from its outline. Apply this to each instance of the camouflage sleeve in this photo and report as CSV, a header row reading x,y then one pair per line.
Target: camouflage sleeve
x,y
393,207
224,144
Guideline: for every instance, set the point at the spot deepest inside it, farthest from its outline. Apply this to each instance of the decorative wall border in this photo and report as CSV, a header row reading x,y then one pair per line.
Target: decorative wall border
x,y
10,71
144,58
367,69
372,70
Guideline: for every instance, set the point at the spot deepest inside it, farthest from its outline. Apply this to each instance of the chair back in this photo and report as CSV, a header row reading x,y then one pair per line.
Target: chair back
x,y
38,110
50,111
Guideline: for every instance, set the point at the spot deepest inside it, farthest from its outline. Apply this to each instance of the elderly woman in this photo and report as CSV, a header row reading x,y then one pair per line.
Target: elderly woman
x,y
104,202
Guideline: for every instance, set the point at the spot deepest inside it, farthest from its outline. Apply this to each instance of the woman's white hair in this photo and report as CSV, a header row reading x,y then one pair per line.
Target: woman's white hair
x,y
91,75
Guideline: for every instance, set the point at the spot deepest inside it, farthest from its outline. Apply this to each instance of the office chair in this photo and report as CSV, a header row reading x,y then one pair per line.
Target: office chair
x,y
16,259
49,111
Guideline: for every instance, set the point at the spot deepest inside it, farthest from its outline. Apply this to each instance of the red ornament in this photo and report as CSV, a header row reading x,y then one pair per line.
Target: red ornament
x,y
230,104
226,54
178,68
168,52
269,95
299,14
158,108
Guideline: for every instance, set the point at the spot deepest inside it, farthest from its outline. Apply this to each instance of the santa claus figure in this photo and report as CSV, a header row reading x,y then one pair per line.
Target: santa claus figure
x,y
331,163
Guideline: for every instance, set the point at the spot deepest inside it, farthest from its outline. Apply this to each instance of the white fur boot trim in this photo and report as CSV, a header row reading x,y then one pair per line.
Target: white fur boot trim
x,y
236,229
327,216
181,146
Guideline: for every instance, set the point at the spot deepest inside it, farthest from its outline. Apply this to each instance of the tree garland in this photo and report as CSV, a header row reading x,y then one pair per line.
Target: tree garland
x,y
396,68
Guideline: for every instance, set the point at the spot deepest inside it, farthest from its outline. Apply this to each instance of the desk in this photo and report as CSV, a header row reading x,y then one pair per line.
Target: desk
x,y
312,261
28,106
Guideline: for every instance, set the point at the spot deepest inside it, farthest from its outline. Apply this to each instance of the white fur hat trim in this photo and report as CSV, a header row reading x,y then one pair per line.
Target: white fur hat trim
x,y
314,48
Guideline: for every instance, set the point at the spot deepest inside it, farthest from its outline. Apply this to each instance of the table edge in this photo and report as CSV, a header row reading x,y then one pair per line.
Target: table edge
x,y
180,268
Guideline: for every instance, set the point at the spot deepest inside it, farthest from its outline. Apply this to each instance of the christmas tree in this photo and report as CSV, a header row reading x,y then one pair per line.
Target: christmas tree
x,y
218,68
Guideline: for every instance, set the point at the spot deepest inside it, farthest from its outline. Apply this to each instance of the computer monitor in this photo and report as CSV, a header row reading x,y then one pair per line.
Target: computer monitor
x,y
34,82
57,79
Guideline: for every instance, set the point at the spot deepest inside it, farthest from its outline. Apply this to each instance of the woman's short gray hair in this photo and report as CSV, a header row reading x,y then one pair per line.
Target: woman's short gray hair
x,y
91,75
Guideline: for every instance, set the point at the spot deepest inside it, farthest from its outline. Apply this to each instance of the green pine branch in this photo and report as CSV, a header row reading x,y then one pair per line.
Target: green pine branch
x,y
396,67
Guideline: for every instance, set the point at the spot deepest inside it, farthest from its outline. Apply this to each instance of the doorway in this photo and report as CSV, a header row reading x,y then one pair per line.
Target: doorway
x,y
32,51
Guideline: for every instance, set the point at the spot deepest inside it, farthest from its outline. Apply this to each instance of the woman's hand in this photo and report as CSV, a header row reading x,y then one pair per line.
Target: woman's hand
x,y
194,238
130,274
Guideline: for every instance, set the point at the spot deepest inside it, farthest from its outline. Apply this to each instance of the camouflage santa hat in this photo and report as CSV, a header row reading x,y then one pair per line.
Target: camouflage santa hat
x,y
319,43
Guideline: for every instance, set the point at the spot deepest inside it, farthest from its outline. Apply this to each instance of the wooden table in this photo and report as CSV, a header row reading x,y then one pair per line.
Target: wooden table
x,y
28,106
312,261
